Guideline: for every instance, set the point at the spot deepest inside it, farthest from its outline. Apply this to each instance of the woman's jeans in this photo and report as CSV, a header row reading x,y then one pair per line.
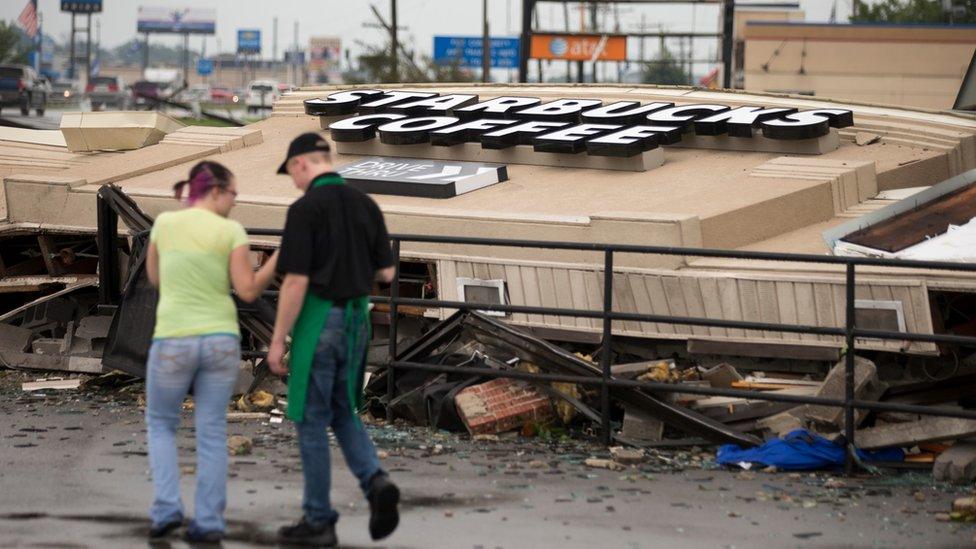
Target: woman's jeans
x,y
327,405
209,364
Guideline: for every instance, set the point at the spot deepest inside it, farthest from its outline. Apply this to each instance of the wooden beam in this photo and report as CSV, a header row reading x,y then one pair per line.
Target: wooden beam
x,y
763,350
47,252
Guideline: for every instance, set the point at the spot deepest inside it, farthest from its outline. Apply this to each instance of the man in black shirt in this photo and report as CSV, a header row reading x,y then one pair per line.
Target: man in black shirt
x,y
334,247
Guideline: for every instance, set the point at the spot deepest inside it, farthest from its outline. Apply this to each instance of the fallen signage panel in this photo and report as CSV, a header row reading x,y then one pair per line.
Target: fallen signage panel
x,y
423,178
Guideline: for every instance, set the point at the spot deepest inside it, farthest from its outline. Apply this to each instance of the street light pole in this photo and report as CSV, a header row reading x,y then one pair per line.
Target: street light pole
x,y
485,45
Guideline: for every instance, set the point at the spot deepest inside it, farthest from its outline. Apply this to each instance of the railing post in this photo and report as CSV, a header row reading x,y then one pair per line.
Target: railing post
x,y
394,298
849,373
605,349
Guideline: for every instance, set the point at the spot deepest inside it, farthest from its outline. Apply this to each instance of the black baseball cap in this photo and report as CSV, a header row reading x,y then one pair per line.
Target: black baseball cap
x,y
305,143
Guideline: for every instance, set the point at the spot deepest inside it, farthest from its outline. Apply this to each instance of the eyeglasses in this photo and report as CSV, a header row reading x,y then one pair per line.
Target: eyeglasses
x,y
230,192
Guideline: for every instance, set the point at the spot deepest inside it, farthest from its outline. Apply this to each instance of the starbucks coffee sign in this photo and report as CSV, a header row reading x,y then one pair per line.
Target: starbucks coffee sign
x,y
563,132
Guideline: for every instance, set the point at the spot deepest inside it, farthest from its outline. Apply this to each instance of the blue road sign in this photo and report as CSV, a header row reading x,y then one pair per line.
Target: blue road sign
x,y
467,51
205,66
249,41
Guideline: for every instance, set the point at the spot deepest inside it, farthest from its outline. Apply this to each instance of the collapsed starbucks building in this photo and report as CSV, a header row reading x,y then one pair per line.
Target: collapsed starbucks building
x,y
671,167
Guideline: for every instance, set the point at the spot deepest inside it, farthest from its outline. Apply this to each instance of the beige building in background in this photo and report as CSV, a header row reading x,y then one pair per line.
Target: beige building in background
x,y
919,66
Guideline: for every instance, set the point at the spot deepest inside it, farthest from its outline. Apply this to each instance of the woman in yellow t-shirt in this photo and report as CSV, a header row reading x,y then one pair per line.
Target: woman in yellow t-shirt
x,y
195,255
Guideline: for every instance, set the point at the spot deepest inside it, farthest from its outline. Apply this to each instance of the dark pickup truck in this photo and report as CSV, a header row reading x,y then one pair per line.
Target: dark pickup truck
x,y
20,86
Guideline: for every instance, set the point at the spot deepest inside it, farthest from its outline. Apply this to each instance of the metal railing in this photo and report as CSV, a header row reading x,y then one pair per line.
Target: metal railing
x,y
850,332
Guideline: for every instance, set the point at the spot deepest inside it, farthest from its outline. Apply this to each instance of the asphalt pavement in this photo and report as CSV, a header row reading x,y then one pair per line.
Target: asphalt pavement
x,y
50,121
75,474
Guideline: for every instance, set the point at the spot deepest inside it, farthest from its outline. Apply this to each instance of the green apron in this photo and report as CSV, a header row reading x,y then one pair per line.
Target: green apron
x,y
305,337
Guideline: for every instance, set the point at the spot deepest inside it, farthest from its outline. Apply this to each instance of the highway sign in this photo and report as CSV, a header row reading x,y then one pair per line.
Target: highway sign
x,y
466,51
249,41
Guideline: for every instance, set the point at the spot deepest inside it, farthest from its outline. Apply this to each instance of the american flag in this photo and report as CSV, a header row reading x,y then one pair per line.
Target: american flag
x,y
28,19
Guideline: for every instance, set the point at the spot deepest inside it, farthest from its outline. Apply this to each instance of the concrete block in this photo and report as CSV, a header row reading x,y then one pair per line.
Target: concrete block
x,y
47,346
721,375
865,380
900,435
957,464
783,422
94,327
15,338
502,405
641,426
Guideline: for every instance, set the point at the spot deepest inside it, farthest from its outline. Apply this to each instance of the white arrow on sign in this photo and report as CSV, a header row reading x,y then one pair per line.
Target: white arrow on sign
x,y
448,172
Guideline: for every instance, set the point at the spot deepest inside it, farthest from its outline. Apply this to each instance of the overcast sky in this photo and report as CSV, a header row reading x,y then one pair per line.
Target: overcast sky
x,y
345,19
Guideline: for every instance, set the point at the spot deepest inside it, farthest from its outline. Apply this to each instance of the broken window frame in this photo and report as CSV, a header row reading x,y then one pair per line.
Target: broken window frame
x,y
497,283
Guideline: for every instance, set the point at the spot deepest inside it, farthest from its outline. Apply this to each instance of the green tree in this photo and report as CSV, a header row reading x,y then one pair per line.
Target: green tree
x,y
14,45
665,70
914,11
374,67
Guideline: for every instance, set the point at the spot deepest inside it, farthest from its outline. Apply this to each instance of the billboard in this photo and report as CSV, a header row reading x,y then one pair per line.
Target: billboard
x,y
178,20
81,6
249,41
579,47
467,51
325,53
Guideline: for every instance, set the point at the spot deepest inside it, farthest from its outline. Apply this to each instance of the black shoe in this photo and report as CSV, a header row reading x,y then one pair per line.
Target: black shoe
x,y
212,537
383,499
307,533
165,529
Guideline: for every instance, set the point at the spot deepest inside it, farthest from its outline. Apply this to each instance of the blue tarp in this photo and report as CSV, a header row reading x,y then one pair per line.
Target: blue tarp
x,y
800,450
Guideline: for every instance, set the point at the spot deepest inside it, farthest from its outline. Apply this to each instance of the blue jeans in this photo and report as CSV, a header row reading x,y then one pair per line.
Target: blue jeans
x,y
327,405
208,364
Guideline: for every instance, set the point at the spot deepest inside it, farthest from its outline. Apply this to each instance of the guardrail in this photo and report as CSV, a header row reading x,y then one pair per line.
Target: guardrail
x,y
850,331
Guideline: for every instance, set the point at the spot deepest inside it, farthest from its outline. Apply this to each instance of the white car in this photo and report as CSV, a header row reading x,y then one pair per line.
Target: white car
x,y
261,94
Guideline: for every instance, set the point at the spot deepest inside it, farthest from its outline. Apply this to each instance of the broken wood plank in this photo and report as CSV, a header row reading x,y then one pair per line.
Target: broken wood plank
x,y
769,385
930,429
48,252
634,369
763,350
233,417
51,384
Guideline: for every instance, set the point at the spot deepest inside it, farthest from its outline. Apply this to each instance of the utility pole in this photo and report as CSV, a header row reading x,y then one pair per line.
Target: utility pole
x,y
145,53
71,54
39,40
88,52
274,41
186,59
728,18
594,25
394,45
569,64
485,44
528,6
98,43
538,62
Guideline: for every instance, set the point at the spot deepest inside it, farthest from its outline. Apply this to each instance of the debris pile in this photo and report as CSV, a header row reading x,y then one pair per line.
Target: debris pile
x,y
463,399
55,333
